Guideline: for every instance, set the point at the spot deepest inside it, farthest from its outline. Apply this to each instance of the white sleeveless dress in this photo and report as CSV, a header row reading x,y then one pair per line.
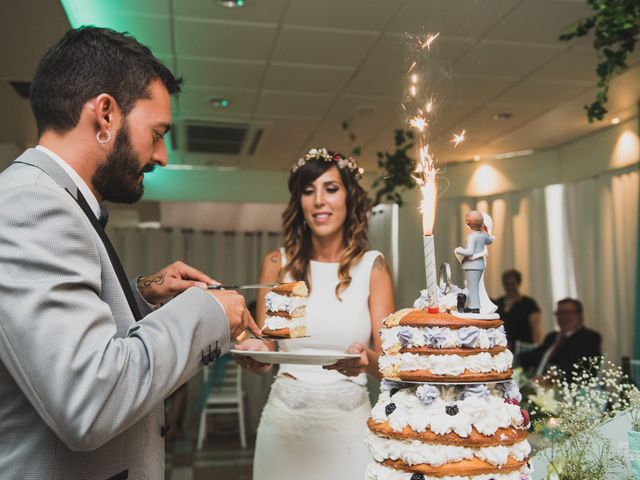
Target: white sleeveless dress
x,y
313,426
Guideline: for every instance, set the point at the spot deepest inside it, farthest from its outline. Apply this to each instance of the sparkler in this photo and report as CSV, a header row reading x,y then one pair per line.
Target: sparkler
x,y
420,108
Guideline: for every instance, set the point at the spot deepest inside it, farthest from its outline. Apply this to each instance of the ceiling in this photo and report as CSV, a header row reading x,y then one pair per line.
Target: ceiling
x,y
299,68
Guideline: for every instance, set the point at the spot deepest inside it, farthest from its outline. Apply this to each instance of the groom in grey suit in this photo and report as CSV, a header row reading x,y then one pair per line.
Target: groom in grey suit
x,y
86,359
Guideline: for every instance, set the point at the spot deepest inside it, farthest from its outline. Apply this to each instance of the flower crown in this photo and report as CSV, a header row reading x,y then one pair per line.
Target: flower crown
x,y
323,154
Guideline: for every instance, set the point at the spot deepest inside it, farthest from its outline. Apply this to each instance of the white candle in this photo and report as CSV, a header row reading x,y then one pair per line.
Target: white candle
x,y
430,269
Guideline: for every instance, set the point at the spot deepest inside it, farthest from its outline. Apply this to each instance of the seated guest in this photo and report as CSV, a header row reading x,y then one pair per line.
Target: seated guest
x,y
521,314
566,347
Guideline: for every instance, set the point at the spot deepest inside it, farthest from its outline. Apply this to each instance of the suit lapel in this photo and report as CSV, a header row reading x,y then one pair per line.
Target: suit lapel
x,y
56,172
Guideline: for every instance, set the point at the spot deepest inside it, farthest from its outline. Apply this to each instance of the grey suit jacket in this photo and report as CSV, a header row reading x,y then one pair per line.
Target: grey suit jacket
x,y
81,383
476,241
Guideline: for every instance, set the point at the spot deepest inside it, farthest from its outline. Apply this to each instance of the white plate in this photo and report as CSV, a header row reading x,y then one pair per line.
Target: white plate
x,y
316,358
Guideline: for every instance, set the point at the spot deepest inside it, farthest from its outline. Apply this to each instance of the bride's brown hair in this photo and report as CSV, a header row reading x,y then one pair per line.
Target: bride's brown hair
x,y
297,235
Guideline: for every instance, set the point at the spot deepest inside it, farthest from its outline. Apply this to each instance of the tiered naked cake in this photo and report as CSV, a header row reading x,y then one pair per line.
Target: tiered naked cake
x,y
286,307
448,408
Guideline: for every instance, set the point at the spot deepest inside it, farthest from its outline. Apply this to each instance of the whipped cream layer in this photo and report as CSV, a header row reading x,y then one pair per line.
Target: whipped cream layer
x,y
283,303
276,323
415,452
446,364
395,338
376,471
485,414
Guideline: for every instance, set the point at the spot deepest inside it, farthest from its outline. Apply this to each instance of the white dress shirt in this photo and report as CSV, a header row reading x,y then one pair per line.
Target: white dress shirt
x,y
77,179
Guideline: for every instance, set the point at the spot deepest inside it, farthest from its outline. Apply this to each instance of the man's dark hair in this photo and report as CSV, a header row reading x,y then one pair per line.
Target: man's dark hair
x,y
512,273
86,62
574,302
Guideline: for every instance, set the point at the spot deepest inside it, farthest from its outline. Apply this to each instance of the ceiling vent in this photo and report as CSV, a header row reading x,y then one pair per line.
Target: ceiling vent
x,y
211,143
215,138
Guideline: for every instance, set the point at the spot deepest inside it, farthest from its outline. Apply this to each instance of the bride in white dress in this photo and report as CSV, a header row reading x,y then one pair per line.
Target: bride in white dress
x,y
314,422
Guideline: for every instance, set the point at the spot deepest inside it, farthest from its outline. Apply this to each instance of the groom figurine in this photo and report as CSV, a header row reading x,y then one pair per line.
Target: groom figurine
x,y
472,258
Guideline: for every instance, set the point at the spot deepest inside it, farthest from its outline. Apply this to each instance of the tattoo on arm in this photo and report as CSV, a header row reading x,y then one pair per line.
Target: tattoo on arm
x,y
146,282
379,263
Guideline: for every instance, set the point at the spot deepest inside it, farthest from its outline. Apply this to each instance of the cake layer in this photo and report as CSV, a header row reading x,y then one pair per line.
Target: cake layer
x,y
421,318
479,367
463,352
396,338
464,411
431,456
300,331
377,471
288,305
292,288
463,468
466,377
278,322
502,436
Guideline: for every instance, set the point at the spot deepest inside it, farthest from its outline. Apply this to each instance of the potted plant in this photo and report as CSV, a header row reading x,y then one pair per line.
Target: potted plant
x,y
395,167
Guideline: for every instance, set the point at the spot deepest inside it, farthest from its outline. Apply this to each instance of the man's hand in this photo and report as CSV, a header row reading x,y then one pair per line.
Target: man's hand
x,y
170,281
234,307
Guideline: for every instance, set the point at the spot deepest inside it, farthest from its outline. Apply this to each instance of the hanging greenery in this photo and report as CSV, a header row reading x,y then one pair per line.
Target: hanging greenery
x,y
616,26
395,167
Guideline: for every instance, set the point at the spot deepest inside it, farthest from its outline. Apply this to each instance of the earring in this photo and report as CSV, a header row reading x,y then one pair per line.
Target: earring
x,y
104,140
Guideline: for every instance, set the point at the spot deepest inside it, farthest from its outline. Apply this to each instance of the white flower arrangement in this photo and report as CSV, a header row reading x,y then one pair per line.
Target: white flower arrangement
x,y
348,163
570,412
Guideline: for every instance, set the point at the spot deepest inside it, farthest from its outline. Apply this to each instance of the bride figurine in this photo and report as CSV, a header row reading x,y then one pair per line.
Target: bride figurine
x,y
473,260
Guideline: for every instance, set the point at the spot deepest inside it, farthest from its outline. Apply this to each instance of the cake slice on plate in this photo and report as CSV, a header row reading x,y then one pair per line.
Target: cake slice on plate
x,y
286,309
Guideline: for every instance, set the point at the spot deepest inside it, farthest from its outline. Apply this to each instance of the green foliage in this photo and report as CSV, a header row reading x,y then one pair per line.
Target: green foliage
x,y
395,167
616,26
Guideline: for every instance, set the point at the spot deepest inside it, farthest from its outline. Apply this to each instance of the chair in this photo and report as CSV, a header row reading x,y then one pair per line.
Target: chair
x,y
225,396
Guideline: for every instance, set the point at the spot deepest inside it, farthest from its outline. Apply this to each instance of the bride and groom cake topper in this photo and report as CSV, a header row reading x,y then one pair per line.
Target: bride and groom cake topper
x,y
473,298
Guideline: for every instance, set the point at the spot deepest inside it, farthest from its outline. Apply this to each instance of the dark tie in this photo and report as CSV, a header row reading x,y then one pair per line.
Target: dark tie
x,y
559,343
113,256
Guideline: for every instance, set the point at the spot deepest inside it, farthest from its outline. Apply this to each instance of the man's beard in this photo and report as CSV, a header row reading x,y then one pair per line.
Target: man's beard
x,y
118,179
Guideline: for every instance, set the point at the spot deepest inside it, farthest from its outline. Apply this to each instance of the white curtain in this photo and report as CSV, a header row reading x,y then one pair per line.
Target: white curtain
x,y
520,228
228,257
603,228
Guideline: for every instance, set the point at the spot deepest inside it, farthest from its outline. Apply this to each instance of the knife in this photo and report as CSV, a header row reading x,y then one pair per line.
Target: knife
x,y
242,287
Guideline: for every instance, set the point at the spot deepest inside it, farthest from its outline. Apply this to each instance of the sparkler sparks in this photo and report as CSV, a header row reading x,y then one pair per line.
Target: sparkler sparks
x,y
458,138
419,123
429,106
429,40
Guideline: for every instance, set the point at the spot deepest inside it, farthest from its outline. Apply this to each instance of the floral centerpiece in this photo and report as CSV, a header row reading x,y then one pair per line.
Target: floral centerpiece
x,y
566,412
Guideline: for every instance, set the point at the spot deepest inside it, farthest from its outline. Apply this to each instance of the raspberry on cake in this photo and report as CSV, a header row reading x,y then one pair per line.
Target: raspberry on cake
x,y
286,310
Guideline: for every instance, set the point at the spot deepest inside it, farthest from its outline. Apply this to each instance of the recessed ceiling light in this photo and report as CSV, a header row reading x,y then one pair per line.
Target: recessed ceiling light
x,y
615,120
502,115
231,3
476,158
218,102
